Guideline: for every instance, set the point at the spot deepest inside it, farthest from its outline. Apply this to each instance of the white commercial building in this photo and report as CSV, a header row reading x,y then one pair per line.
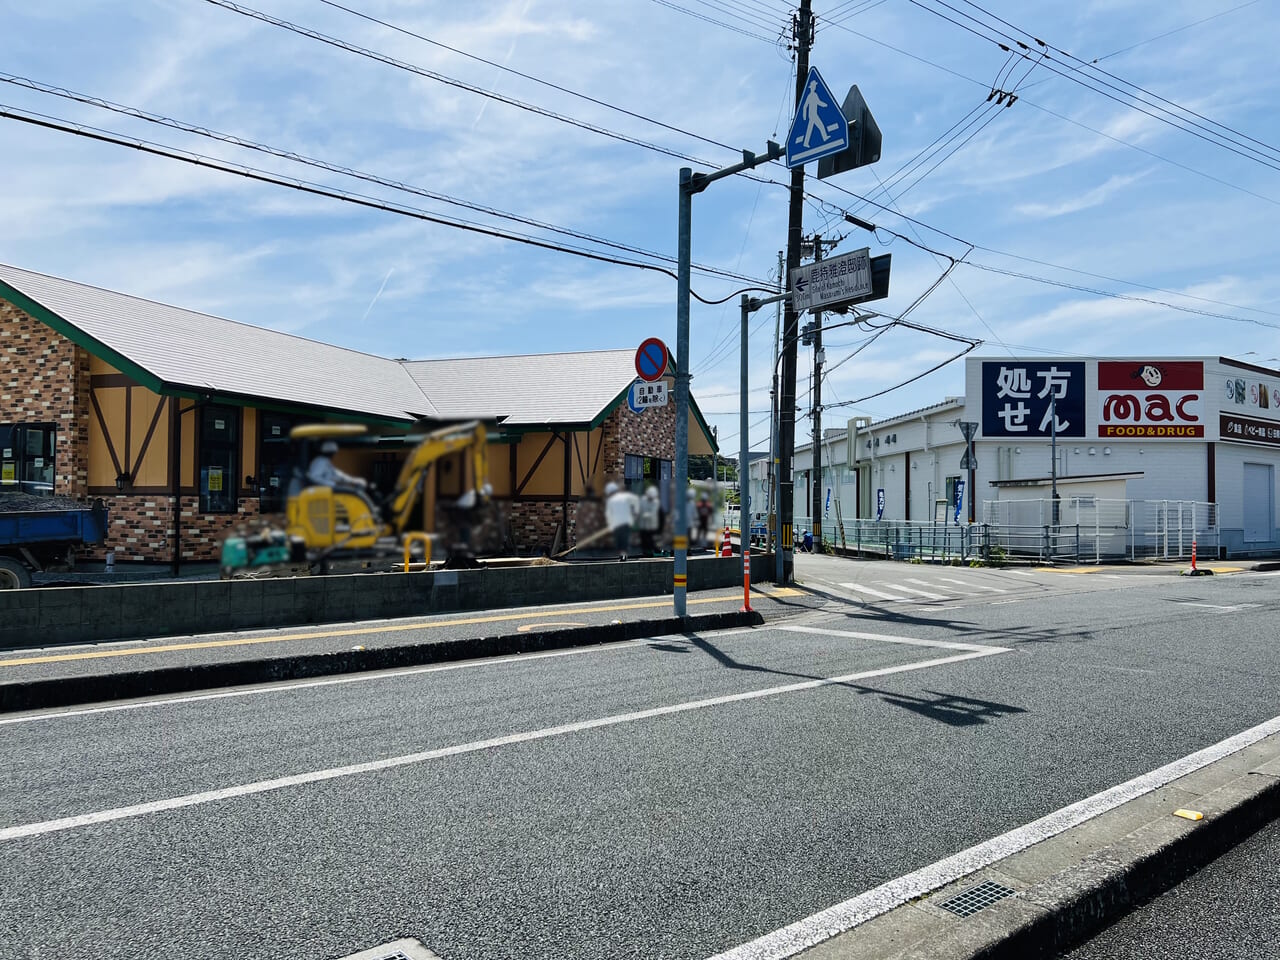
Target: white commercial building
x,y
1174,435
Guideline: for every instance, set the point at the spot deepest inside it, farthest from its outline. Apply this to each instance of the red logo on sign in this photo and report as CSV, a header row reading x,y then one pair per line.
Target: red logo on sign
x,y
1170,375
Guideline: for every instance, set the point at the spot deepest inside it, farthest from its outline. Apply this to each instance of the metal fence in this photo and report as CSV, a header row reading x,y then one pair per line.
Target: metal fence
x,y
1115,529
1086,529
902,539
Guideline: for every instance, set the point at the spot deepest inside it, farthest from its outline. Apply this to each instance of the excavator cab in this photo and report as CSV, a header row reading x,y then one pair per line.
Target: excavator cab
x,y
323,517
326,524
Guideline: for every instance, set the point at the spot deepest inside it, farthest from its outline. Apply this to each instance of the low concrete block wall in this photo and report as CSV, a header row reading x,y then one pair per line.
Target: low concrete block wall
x,y
57,615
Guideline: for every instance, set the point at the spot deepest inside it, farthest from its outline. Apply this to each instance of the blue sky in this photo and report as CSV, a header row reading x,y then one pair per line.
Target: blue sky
x,y
1079,179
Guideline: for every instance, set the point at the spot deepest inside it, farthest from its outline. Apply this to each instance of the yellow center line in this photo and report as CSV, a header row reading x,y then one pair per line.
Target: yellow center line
x,y
364,631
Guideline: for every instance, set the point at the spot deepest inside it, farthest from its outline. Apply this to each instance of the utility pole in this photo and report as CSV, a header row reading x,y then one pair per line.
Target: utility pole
x,y
771,498
816,511
802,27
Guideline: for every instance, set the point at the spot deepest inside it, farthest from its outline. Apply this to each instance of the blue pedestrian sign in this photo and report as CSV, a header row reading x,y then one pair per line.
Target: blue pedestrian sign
x,y
819,129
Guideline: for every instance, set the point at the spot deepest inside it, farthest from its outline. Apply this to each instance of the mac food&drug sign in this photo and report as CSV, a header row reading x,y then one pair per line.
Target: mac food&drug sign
x,y
1156,400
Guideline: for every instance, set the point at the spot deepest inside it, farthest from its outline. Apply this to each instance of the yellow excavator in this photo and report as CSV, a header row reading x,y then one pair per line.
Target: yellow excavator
x,y
342,527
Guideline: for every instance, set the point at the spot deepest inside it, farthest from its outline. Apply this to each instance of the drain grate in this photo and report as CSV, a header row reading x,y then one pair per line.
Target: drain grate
x,y
406,949
977,898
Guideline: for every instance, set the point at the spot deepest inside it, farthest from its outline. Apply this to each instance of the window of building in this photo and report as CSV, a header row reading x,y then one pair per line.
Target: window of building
x,y
27,457
633,473
219,458
275,459
640,472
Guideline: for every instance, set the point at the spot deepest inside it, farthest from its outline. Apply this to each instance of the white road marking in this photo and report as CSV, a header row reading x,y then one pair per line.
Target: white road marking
x,y
353,678
892,598
973,586
923,593
800,936
975,648
968,652
1214,606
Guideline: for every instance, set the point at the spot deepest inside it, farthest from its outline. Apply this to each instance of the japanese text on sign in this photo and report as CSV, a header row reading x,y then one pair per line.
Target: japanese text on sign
x,y
1033,399
644,395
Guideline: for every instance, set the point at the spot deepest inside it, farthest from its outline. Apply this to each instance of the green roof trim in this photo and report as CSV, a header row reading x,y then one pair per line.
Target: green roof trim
x,y
81,339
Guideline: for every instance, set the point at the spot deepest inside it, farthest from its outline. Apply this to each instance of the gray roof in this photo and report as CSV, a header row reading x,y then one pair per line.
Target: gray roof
x,y
174,350
548,388
185,349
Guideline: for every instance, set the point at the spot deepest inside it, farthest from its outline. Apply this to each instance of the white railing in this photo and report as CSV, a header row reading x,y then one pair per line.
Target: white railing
x,y
1085,529
1113,529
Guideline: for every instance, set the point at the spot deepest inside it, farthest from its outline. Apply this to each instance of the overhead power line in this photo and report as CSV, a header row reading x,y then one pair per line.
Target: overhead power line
x,y
1231,140
294,157
449,81
1093,67
1083,126
527,76
711,20
303,186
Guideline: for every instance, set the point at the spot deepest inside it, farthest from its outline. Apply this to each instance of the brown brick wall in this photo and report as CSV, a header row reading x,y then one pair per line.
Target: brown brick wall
x,y
140,528
651,434
45,379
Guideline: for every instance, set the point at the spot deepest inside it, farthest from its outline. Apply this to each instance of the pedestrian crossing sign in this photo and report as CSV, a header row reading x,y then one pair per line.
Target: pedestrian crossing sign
x,y
819,128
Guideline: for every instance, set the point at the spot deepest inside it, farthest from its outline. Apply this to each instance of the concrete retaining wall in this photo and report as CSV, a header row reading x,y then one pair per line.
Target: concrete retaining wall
x,y
57,615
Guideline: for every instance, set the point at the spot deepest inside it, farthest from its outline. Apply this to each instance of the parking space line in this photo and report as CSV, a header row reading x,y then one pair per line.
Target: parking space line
x,y
966,652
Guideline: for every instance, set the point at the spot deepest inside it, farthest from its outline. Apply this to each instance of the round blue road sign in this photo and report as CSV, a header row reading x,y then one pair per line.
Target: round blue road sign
x,y
651,360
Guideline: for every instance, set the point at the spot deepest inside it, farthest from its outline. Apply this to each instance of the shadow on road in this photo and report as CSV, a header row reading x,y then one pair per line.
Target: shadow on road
x,y
951,709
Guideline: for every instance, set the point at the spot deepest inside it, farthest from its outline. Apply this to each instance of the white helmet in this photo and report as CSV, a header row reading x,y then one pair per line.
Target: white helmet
x,y
610,488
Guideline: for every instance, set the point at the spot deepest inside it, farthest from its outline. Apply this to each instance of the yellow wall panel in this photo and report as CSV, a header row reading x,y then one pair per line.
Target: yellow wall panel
x,y
500,468
548,478
150,465
102,472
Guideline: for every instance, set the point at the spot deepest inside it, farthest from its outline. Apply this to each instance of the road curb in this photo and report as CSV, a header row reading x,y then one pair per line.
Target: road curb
x,y
73,691
1110,883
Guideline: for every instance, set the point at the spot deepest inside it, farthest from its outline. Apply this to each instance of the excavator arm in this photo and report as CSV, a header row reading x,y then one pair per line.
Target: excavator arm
x,y
441,443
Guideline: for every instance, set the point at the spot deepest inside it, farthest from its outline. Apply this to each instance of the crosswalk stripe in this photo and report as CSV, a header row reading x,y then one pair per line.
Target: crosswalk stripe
x,y
875,593
972,586
923,593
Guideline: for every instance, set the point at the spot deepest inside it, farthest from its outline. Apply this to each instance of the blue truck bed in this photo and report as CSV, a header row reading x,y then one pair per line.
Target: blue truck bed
x,y
50,526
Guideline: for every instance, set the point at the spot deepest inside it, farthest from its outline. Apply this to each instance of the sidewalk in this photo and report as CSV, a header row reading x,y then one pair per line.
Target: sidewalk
x,y
55,676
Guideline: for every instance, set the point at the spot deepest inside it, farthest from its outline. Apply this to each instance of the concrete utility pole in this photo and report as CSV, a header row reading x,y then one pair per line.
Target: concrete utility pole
x,y
802,27
816,512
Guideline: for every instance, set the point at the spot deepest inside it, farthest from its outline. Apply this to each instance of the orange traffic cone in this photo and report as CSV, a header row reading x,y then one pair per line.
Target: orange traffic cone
x,y
726,546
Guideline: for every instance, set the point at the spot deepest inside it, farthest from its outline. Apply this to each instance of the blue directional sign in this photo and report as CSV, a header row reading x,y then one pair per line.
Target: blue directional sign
x,y
819,129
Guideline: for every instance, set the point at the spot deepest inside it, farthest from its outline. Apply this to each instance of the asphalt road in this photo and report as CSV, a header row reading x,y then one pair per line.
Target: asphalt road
x,y
1230,910
666,798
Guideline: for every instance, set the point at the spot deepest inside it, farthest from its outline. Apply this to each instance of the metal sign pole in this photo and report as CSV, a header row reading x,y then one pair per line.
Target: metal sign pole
x,y
680,538
744,493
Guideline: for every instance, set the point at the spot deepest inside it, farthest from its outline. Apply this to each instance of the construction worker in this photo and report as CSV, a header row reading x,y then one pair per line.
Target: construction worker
x,y
620,510
649,521
322,473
